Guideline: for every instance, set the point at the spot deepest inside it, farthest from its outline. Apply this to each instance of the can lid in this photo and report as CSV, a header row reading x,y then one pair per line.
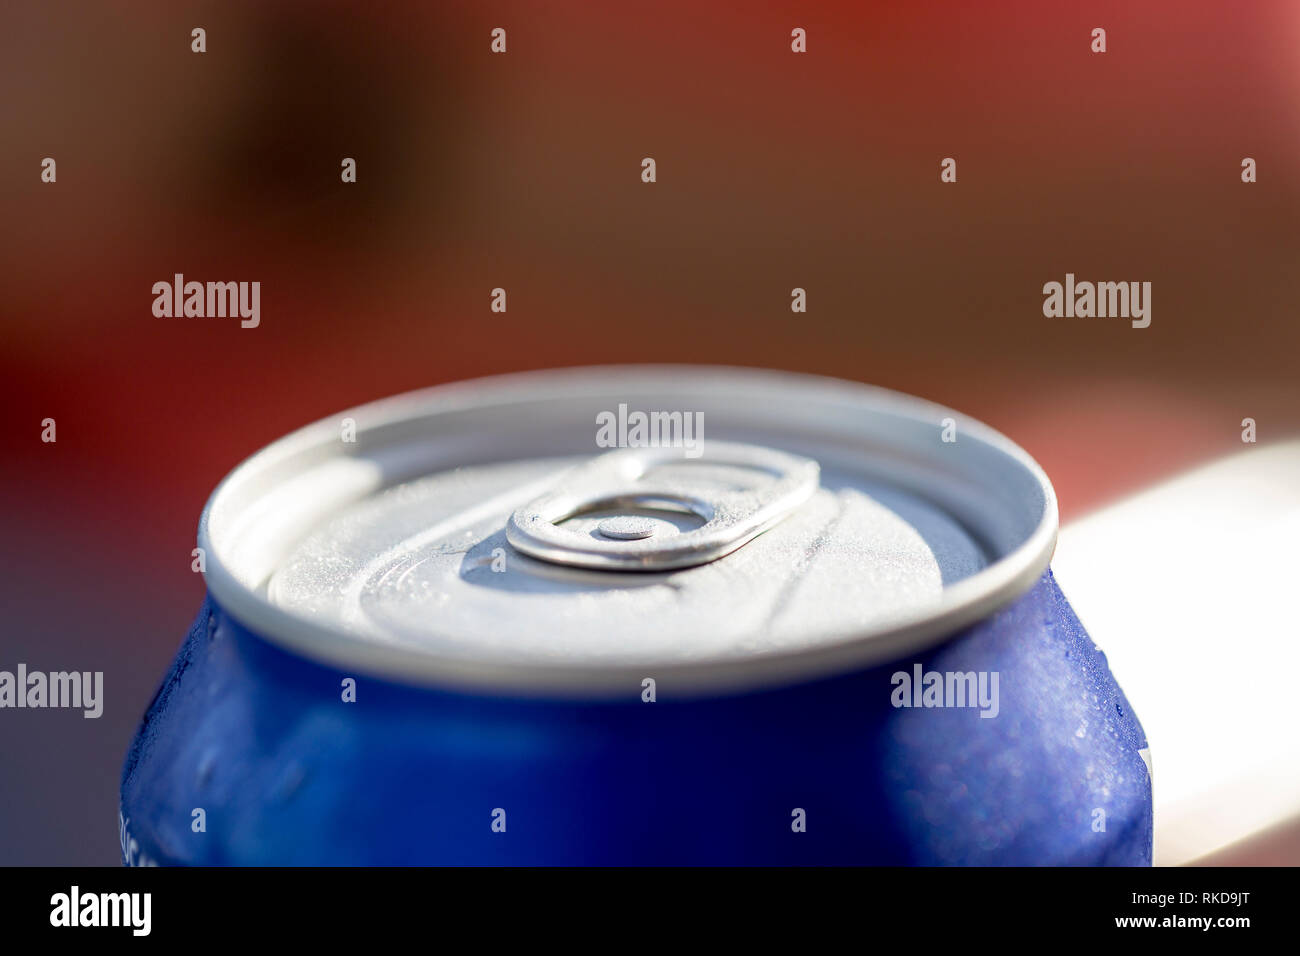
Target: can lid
x,y
482,534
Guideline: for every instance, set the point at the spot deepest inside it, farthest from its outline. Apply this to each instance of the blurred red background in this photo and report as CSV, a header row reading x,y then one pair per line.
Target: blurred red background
x,y
522,171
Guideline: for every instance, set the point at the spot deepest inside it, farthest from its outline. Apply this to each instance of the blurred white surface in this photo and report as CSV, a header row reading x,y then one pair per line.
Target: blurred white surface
x,y
1191,588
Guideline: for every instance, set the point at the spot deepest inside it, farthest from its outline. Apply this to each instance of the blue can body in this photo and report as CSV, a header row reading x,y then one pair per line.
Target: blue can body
x,y
826,772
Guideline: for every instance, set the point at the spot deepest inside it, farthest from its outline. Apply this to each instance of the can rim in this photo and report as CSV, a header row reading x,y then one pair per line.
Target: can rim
x,y
961,604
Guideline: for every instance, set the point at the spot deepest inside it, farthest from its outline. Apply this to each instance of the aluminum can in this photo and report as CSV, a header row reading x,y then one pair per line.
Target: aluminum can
x,y
637,615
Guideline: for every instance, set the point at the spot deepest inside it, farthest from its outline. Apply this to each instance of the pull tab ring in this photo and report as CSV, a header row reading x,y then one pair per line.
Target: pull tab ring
x,y
612,481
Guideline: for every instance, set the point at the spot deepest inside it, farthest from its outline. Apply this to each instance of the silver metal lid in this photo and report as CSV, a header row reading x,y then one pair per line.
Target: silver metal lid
x,y
480,535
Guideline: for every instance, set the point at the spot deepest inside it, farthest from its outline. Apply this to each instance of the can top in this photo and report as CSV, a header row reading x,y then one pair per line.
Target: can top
x,y
575,531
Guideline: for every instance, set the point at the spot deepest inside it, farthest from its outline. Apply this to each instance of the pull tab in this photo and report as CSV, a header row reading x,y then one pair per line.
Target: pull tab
x,y
613,481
